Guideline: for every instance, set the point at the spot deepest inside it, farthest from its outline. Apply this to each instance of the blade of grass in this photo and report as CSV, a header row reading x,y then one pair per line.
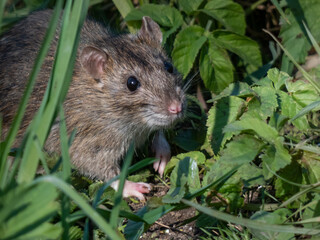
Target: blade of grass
x,y
262,226
81,202
66,170
23,104
63,63
283,15
313,41
306,109
118,196
304,73
2,6
124,7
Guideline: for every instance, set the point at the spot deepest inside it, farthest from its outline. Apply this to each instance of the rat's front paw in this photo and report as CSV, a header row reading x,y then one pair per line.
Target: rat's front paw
x,y
162,150
133,189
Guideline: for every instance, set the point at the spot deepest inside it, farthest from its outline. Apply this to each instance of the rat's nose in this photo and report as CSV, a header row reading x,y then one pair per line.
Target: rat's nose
x,y
175,107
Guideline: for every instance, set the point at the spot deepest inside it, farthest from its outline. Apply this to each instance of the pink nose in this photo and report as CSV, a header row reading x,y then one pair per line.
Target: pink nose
x,y
175,107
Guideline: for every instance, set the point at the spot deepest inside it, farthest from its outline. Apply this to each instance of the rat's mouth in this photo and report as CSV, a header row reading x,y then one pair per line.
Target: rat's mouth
x,y
160,120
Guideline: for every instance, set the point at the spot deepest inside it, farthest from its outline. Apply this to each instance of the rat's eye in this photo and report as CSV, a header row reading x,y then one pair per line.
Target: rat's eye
x,y
168,66
133,84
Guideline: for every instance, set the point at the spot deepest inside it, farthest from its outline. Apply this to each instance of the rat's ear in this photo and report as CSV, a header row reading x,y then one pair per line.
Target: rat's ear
x,y
93,60
150,31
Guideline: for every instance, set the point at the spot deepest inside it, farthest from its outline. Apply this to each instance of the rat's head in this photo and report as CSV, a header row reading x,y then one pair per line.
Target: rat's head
x,y
134,79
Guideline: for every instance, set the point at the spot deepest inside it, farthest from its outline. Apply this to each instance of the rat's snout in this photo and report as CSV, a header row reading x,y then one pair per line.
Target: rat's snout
x,y
175,107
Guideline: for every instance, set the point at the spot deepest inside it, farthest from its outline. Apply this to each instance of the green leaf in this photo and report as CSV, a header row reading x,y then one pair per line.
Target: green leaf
x,y
277,217
264,104
250,223
165,15
307,109
189,6
190,139
243,46
292,172
240,151
290,108
292,34
185,174
276,157
227,12
124,6
21,214
199,157
278,78
223,112
240,89
186,47
216,68
257,125
302,92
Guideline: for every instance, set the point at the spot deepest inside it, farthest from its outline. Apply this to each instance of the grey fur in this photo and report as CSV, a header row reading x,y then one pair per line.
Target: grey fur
x,y
106,115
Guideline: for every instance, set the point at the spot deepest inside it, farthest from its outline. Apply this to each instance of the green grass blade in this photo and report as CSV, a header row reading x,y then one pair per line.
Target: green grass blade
x,y
304,73
123,6
64,57
2,6
66,170
79,200
283,15
313,41
23,104
306,110
118,196
262,226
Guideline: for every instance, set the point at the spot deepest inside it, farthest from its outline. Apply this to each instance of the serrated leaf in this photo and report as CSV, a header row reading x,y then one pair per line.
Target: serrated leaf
x,y
240,89
165,15
278,216
197,156
276,157
244,149
189,6
186,48
216,68
278,78
313,210
240,151
292,34
302,92
290,108
224,111
190,139
243,46
266,102
185,174
293,173
254,124
227,12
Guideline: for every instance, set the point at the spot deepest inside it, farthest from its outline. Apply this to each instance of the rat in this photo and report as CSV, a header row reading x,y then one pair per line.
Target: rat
x,y
123,88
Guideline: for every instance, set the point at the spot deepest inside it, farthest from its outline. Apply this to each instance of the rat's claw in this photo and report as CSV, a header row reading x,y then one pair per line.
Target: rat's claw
x,y
162,150
133,189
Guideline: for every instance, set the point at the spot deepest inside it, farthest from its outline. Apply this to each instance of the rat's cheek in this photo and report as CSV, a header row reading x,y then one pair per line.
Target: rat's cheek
x,y
161,148
133,189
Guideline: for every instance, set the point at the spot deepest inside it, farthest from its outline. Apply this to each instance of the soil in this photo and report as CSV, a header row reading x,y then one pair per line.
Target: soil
x,y
171,225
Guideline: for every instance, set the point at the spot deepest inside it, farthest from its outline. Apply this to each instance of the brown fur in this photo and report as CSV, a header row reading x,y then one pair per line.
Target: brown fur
x,y
106,115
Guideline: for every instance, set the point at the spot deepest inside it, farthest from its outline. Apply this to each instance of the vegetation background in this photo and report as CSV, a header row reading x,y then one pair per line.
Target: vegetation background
x,y
245,160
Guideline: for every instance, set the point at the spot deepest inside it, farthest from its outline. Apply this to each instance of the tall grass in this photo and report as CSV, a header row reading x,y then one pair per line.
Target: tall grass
x,y
20,181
